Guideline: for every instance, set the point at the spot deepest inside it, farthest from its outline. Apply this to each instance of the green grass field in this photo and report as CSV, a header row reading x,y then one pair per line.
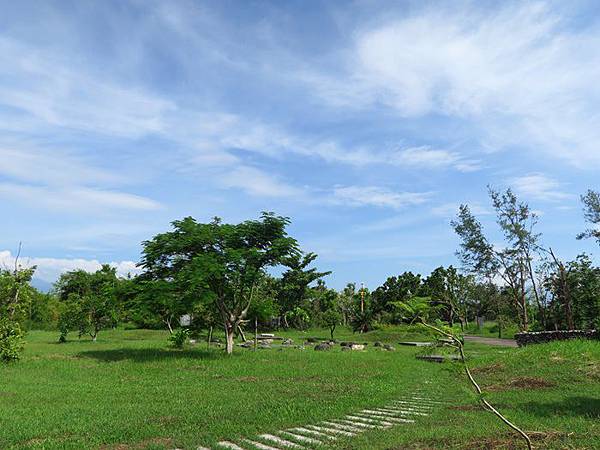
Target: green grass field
x,y
130,391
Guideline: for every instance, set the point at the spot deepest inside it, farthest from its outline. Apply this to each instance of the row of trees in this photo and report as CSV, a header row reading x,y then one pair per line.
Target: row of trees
x,y
220,276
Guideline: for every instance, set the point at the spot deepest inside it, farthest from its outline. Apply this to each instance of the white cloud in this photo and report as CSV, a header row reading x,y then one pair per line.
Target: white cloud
x,y
58,93
377,196
75,199
537,186
518,74
256,182
50,166
432,158
49,269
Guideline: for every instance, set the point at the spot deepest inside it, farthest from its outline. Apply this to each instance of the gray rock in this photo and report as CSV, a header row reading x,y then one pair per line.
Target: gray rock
x,y
377,344
389,348
288,342
322,347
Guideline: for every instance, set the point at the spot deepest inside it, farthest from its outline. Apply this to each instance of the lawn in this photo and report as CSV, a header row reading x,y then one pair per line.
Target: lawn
x,y
128,390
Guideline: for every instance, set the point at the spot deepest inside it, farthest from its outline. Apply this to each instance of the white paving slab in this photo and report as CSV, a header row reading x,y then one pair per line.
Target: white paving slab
x,y
376,422
333,430
396,420
230,445
355,423
313,433
301,438
280,442
260,445
343,427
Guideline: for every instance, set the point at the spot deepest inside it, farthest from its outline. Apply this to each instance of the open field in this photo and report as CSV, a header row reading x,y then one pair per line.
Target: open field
x,y
129,390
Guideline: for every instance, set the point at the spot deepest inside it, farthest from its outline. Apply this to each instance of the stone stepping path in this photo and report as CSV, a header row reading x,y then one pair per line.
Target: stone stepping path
x,y
403,411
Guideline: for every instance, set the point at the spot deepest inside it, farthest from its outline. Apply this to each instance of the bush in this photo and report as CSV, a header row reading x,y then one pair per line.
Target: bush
x,y
11,341
179,337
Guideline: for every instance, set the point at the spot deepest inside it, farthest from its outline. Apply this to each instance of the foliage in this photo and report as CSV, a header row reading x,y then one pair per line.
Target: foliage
x,y
298,318
220,263
395,289
513,262
331,319
90,301
15,298
294,286
11,340
591,213
179,337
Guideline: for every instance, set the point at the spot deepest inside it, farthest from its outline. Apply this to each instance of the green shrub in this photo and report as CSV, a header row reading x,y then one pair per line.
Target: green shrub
x,y
179,337
11,341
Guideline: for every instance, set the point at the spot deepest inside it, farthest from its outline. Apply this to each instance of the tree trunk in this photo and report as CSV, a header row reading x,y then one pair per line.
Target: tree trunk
x,y
332,329
209,338
229,333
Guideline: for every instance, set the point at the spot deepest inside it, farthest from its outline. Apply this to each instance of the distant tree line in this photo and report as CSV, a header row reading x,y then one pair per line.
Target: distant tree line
x,y
220,276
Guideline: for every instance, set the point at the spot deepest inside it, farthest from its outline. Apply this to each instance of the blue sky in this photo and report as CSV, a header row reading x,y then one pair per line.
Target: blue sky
x,y
366,122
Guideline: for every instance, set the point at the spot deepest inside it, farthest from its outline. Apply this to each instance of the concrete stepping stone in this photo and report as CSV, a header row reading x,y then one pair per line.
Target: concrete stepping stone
x,y
393,420
349,428
229,445
301,438
280,442
335,430
356,423
413,404
397,412
260,445
313,433
365,418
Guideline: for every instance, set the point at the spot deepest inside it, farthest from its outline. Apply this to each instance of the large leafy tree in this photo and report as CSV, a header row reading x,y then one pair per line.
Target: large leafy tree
x,y
219,262
395,289
90,301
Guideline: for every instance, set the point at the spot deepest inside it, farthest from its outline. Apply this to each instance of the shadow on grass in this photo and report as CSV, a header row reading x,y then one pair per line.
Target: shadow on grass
x,y
143,355
572,406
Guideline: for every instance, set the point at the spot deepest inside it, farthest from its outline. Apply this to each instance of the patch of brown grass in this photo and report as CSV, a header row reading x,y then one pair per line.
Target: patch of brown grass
x,y
522,383
490,369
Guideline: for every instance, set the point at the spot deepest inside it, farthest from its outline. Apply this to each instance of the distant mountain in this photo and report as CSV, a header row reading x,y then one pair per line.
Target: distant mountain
x,y
41,285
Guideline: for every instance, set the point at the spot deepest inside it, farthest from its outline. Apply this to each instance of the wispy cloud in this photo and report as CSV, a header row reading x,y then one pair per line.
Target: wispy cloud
x,y
537,186
377,196
75,200
520,75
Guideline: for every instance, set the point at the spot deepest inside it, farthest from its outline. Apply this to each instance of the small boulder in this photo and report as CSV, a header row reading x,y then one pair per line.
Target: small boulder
x,y
389,348
357,347
322,347
377,344
288,342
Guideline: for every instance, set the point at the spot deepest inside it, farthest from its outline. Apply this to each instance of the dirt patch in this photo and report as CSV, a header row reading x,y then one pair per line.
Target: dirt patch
x,y
466,408
492,368
247,379
7,394
514,442
591,370
522,383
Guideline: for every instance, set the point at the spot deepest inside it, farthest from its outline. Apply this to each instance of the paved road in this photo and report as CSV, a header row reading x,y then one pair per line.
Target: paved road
x,y
492,341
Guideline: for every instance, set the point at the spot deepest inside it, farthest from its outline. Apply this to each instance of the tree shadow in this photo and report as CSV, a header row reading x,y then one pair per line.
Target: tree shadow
x,y
572,406
142,355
